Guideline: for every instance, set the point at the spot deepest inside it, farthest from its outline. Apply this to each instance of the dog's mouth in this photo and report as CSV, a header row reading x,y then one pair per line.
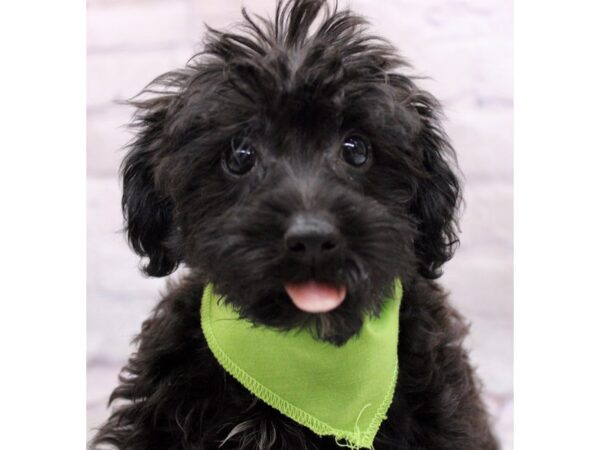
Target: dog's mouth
x,y
315,297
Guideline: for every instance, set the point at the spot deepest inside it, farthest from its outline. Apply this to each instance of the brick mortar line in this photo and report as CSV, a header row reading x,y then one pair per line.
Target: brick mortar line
x,y
174,45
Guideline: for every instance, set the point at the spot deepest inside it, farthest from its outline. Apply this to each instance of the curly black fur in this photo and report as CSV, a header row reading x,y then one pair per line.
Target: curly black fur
x,y
294,87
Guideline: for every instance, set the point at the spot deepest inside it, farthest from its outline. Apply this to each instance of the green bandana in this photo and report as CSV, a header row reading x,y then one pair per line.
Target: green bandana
x,y
343,392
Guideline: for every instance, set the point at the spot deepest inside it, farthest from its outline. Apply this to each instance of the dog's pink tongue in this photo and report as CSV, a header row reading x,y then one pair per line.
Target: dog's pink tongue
x,y
315,297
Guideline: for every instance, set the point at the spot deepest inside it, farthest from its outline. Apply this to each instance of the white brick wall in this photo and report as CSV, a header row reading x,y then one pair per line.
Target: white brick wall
x,y
463,46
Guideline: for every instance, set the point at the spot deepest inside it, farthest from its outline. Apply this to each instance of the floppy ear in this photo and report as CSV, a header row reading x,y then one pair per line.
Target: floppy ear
x,y
148,213
438,192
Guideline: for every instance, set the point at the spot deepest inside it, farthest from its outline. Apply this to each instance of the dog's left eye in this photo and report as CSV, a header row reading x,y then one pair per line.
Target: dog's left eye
x,y
355,151
241,157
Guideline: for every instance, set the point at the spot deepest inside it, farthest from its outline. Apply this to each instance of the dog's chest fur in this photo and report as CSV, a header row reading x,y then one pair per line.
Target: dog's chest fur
x,y
178,396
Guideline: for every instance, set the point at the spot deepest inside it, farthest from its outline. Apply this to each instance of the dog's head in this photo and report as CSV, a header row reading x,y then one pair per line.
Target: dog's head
x,y
296,168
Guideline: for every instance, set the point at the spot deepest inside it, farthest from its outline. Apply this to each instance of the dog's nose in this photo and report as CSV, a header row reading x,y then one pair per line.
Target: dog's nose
x,y
311,238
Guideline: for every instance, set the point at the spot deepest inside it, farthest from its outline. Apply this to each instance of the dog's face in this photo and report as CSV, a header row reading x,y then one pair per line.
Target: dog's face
x,y
293,169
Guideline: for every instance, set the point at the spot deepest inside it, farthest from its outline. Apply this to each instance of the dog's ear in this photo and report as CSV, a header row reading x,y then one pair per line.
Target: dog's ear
x,y
437,195
148,212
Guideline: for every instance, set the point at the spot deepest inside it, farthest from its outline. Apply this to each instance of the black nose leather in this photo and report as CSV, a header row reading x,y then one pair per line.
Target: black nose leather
x,y
311,238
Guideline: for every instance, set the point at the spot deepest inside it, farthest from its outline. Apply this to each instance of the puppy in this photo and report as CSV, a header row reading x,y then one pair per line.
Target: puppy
x,y
293,167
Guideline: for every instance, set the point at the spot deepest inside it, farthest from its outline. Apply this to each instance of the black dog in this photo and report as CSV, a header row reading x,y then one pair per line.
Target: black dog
x,y
294,151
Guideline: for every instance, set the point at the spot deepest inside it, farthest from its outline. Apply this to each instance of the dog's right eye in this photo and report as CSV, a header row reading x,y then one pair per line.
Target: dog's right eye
x,y
241,157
